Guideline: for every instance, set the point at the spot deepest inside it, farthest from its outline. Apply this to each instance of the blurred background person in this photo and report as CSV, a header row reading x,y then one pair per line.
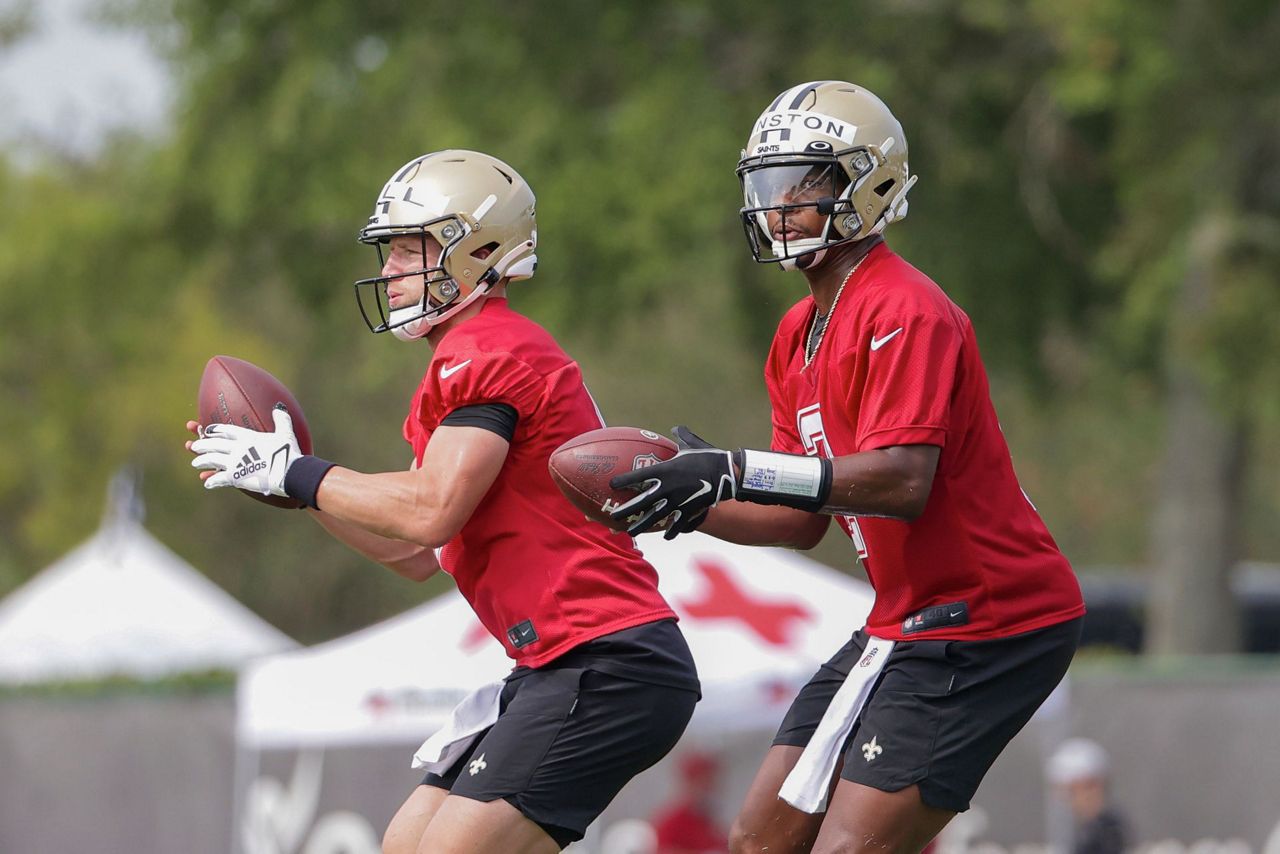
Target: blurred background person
x,y
629,836
687,824
1080,771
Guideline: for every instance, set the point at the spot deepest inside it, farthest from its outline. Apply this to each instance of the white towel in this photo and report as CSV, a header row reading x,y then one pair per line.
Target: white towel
x,y
476,713
807,785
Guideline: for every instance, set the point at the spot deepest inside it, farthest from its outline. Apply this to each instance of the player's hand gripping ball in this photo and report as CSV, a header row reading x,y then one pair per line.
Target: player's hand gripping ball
x,y
233,391
677,494
583,466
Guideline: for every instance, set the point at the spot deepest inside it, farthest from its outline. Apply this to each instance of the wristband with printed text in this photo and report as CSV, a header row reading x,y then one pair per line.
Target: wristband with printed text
x,y
768,477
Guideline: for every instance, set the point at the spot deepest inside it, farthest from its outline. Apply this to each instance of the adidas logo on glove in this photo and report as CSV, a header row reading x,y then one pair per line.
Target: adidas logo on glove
x,y
249,464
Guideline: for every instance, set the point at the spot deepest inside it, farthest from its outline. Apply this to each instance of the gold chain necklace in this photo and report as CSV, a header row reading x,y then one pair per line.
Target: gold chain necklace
x,y
818,331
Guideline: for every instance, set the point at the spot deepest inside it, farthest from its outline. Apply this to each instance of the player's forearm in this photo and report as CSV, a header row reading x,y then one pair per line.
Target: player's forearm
x,y
393,505
889,482
411,560
760,525
892,482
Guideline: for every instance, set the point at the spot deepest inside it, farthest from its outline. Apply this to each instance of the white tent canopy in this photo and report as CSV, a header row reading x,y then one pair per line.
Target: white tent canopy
x,y
123,604
758,621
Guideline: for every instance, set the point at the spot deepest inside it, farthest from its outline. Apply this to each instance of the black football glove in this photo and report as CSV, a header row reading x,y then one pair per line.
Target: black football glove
x,y
681,522
684,487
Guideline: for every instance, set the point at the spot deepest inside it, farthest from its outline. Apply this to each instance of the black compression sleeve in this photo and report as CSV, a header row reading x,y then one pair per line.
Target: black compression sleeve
x,y
499,418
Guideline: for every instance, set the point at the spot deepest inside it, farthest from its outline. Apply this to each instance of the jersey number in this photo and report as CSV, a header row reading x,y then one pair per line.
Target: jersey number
x,y
813,437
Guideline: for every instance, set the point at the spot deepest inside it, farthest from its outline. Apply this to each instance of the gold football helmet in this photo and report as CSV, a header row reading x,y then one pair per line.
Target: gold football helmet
x,y
828,145
467,202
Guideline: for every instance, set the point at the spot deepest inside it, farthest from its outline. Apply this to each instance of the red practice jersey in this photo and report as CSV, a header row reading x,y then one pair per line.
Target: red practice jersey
x,y
899,365
539,576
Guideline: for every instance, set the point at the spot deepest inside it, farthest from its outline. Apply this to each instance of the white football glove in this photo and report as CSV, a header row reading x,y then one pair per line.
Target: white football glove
x,y
248,459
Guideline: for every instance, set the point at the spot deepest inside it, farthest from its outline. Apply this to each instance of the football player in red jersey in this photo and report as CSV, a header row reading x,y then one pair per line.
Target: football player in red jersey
x,y
882,419
604,683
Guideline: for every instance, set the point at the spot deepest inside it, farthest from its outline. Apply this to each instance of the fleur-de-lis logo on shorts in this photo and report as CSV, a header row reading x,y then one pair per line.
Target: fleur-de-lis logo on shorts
x,y
478,764
870,750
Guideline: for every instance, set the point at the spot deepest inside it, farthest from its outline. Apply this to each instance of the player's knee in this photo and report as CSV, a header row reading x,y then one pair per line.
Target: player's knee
x,y
392,845
773,831
399,839
746,836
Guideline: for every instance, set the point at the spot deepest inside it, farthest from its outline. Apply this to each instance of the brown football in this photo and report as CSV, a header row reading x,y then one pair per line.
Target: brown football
x,y
582,467
233,391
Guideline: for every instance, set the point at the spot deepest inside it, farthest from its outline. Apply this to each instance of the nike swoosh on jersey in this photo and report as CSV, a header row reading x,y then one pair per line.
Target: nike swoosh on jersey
x,y
877,343
447,371
706,487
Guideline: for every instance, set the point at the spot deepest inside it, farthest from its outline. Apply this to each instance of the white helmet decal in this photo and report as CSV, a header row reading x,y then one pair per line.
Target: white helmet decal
x,y
774,131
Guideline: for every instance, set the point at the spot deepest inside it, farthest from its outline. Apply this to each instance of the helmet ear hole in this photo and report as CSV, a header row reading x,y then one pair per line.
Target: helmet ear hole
x,y
882,189
485,251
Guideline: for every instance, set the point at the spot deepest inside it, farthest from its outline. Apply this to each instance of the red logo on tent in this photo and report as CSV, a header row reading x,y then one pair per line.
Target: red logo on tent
x,y
475,637
777,692
725,600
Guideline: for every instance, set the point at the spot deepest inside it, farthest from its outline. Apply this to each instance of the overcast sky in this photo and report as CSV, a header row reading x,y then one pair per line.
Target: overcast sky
x,y
72,79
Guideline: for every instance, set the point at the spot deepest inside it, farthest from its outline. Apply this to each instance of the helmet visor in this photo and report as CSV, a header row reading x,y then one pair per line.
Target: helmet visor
x,y
793,184
776,192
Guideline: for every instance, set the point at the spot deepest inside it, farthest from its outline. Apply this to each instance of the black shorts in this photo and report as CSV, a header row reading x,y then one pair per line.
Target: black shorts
x,y
567,739
941,711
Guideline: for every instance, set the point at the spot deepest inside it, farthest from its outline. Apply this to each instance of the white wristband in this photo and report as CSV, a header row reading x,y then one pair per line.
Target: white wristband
x,y
781,474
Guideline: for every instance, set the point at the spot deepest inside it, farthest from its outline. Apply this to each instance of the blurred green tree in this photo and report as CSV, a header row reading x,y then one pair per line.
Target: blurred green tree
x,y
1059,190
1179,104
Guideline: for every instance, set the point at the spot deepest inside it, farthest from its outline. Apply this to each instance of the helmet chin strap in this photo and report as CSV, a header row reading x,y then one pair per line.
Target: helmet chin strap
x,y
813,259
417,322
414,321
408,323
804,253
802,259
